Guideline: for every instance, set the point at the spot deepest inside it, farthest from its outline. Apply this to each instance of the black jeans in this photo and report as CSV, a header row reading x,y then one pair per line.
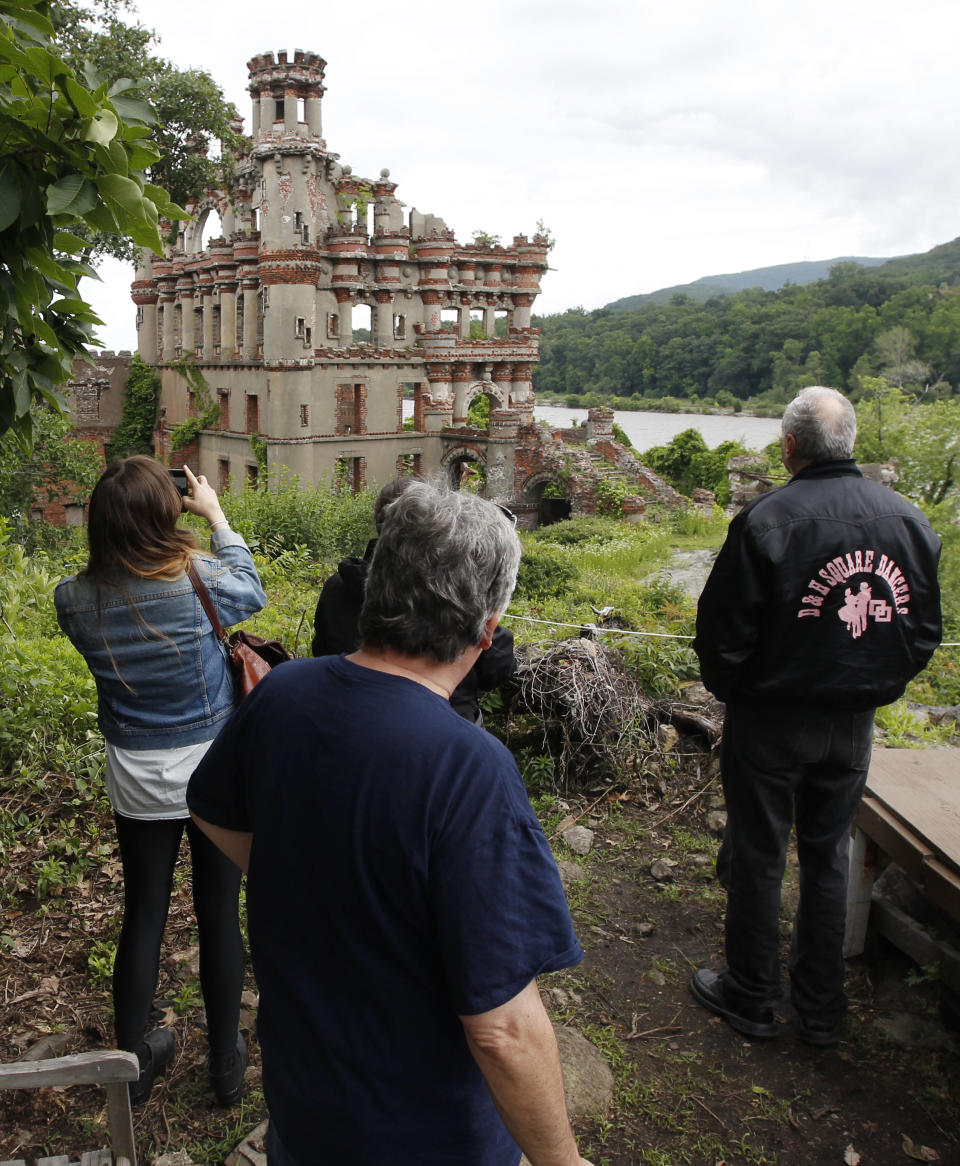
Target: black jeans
x,y
782,766
148,851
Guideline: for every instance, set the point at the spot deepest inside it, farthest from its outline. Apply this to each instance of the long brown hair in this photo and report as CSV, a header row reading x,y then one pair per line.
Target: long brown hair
x,y
132,523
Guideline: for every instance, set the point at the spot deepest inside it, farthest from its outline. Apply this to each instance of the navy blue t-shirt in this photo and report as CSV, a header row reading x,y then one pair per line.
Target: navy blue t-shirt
x,y
398,880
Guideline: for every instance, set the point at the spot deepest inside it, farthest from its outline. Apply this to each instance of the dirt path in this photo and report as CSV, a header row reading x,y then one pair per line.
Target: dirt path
x,y
689,1090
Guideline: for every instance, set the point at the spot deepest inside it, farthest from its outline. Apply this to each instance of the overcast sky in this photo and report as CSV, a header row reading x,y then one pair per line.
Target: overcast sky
x,y
659,142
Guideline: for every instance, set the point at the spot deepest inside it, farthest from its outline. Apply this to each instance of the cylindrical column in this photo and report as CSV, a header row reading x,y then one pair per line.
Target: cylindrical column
x,y
256,116
169,339
144,294
431,310
312,106
228,320
382,331
489,321
207,294
345,310
249,319
186,318
290,110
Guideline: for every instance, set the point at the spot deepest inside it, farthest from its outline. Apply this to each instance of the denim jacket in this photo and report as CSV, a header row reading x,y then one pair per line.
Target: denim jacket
x,y
162,677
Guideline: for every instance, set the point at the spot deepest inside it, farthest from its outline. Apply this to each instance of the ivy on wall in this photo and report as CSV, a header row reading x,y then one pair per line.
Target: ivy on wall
x,y
208,411
134,434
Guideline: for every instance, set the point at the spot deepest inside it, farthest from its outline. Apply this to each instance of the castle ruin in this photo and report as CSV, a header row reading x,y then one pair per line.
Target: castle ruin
x,y
268,312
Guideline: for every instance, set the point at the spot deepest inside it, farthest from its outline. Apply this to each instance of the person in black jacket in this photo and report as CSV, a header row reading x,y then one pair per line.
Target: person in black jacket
x,y
338,613
822,604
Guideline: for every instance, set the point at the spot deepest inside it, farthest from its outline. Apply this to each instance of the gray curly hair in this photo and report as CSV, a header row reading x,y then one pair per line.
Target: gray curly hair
x,y
444,563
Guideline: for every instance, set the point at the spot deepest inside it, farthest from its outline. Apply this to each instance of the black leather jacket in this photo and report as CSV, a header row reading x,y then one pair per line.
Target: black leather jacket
x,y
825,593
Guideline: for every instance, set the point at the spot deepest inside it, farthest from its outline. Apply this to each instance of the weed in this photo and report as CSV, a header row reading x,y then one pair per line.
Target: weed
x,y
187,997
100,962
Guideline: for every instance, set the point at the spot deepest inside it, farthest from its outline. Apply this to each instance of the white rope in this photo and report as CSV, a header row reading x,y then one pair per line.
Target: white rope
x,y
554,623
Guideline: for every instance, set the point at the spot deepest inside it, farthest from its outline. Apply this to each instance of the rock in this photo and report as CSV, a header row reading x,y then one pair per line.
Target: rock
x,y
662,870
669,737
48,1046
913,1032
250,1152
587,1078
655,976
717,821
579,839
570,872
700,860
186,960
177,1158
646,928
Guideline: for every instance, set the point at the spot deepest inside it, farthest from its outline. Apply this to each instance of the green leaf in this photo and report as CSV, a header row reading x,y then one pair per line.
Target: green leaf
x,y
66,241
11,199
79,97
74,195
132,110
125,192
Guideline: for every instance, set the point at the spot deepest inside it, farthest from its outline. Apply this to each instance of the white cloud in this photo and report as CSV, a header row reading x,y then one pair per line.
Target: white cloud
x,y
659,142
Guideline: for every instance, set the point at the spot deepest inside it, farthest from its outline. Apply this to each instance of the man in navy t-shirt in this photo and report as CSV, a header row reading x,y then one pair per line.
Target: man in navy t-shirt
x,y
402,898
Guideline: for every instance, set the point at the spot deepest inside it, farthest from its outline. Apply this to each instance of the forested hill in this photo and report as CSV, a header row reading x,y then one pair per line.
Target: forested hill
x,y
767,278
900,319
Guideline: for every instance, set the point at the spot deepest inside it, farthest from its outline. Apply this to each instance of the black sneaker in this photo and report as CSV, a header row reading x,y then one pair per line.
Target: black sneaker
x,y
819,1033
154,1054
227,1078
707,989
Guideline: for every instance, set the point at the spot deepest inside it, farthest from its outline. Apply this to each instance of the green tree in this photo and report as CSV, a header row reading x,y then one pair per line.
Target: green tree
x,y
191,111
55,459
881,411
72,160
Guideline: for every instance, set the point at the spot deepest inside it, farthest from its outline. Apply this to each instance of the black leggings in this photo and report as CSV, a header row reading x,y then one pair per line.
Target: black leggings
x,y
148,850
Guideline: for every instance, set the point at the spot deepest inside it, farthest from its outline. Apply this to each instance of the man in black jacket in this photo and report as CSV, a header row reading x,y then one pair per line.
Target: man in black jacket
x,y
338,614
823,603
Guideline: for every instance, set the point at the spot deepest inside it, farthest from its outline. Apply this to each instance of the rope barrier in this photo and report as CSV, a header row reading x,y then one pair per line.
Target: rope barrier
x,y
555,623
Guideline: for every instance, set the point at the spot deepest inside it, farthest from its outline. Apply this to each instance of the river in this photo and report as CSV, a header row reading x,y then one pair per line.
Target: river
x,y
647,429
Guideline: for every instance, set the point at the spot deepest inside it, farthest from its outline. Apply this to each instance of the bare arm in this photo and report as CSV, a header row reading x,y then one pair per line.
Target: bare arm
x,y
235,844
516,1051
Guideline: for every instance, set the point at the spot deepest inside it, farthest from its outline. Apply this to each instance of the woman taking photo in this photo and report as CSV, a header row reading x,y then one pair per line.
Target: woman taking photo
x,y
164,690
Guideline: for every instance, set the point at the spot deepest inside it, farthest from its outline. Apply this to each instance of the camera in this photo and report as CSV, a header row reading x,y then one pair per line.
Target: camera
x,y
180,481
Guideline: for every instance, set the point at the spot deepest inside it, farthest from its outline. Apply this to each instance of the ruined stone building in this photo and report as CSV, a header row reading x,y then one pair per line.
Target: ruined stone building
x,y
320,308
269,313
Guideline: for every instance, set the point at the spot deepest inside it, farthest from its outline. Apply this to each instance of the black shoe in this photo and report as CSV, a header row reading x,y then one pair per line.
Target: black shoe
x,y
154,1054
819,1033
227,1078
708,990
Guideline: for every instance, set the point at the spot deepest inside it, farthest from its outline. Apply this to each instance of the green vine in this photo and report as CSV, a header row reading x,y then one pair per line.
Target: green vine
x,y
208,411
258,443
134,434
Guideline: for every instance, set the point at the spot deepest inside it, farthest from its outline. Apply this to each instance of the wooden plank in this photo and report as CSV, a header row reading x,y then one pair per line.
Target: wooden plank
x,y
863,872
906,934
106,1067
120,1118
942,887
921,787
893,837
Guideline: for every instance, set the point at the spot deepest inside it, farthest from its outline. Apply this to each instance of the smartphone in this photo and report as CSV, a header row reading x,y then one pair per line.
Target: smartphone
x,y
180,481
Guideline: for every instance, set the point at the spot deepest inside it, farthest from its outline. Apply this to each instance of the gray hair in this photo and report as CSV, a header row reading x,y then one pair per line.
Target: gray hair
x,y
445,563
823,423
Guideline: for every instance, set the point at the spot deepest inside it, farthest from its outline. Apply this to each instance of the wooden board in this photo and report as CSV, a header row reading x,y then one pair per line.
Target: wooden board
x,y
921,788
